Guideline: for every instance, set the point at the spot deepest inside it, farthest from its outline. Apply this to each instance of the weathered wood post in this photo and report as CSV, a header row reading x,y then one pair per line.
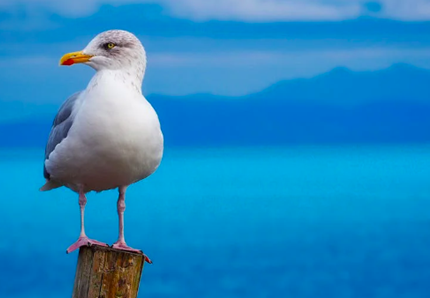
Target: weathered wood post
x,y
104,272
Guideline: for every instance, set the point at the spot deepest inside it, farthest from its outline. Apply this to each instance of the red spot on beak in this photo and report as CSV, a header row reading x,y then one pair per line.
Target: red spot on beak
x,y
68,62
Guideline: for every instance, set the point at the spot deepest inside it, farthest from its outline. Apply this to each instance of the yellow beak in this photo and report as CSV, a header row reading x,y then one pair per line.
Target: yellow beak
x,y
74,57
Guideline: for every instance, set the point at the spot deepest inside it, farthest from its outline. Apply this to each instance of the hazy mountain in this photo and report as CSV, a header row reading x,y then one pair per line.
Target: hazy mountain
x,y
341,106
343,86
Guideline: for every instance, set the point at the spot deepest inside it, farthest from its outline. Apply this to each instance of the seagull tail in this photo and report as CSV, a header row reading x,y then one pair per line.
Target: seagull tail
x,y
50,185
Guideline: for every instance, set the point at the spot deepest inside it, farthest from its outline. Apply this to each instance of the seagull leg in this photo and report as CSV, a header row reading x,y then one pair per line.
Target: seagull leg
x,y
120,244
83,240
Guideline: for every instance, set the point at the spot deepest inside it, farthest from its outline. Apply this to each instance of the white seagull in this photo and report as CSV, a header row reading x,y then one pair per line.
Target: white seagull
x,y
108,135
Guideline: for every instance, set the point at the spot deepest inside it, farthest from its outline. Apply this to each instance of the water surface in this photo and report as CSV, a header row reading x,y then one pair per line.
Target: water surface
x,y
236,222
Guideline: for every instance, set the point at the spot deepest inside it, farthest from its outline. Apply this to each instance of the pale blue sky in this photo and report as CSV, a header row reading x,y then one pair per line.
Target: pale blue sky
x,y
227,47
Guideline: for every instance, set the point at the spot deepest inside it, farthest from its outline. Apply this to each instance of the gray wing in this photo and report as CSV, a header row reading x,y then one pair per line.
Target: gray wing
x,y
60,127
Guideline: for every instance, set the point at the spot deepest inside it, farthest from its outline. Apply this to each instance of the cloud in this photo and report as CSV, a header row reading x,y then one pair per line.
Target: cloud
x,y
244,10
259,10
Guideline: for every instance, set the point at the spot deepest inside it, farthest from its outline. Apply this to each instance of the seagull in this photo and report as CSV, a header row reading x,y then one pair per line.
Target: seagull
x,y
107,136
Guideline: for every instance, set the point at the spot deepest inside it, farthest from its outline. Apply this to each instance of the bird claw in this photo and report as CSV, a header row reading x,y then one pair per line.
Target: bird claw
x,y
148,260
84,241
125,247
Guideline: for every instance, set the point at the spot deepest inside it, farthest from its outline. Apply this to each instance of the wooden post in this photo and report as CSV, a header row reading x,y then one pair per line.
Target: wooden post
x,y
104,272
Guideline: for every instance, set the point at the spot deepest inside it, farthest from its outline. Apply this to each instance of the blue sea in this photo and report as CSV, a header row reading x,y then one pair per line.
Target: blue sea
x,y
302,222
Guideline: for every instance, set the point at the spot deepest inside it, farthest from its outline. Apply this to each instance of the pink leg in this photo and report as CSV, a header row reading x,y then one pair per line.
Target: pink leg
x,y
120,244
83,240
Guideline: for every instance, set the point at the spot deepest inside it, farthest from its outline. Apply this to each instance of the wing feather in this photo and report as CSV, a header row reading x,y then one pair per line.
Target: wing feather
x,y
63,121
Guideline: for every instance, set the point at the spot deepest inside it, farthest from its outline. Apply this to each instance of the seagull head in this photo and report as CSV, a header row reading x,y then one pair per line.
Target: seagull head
x,y
112,50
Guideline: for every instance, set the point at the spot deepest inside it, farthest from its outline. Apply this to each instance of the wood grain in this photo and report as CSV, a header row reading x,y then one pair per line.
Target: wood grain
x,y
104,272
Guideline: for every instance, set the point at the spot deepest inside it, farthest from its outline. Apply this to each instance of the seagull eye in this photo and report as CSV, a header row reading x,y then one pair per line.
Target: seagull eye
x,y
110,45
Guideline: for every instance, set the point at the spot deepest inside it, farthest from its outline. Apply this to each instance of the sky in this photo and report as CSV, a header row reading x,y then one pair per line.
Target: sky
x,y
222,47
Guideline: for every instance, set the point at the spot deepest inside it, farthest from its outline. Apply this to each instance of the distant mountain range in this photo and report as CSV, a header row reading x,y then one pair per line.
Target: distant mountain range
x,y
341,106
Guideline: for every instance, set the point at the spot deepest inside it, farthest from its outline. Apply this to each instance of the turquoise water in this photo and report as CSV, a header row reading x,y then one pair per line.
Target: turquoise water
x,y
238,222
